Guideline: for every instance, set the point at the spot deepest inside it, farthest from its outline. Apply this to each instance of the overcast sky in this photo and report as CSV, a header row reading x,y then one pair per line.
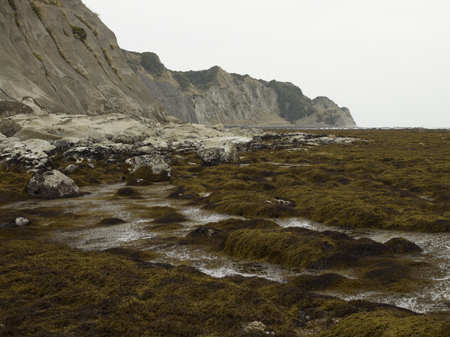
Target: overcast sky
x,y
388,61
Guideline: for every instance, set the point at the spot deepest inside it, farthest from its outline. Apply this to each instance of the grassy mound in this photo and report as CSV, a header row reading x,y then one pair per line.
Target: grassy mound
x,y
127,192
388,179
375,266
13,184
110,222
385,323
50,289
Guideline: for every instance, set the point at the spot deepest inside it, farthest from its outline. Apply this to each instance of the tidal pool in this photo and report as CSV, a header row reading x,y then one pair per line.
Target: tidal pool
x,y
98,203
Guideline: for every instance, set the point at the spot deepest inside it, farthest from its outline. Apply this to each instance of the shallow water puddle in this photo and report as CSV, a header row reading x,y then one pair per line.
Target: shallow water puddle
x,y
137,233
436,252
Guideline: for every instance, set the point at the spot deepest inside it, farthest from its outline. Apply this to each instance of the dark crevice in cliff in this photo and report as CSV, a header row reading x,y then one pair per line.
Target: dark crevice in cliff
x,y
116,109
106,55
8,95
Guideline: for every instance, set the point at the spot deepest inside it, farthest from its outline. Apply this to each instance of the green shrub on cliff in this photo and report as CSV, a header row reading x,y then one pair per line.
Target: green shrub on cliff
x,y
79,33
12,4
181,79
292,103
151,63
39,9
203,77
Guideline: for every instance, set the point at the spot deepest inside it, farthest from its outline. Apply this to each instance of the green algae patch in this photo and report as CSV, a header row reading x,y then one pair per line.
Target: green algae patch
x,y
87,174
170,218
191,185
380,275
110,222
52,217
13,184
385,323
52,289
253,209
387,179
275,247
165,227
138,256
159,211
374,266
401,246
214,235
248,204
326,281
182,192
127,192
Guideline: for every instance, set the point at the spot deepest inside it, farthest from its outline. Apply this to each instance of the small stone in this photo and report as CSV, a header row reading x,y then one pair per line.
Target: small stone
x,y
22,221
257,327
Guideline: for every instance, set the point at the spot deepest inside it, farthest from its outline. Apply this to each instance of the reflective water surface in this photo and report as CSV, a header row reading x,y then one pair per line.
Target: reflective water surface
x,y
136,233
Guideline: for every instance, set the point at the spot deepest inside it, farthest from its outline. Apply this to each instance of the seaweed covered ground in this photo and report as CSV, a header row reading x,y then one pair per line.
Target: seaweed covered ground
x,y
384,179
52,290
391,179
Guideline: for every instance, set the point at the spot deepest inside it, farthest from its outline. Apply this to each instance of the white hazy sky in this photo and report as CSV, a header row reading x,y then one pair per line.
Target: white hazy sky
x,y
388,61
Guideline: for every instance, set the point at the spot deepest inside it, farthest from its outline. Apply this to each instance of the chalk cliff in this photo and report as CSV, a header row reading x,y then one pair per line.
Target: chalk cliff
x,y
58,57
214,96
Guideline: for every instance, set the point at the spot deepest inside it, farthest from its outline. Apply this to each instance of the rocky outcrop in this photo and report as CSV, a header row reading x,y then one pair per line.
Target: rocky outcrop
x,y
54,127
52,185
326,113
33,154
81,141
214,96
215,154
58,57
156,163
179,105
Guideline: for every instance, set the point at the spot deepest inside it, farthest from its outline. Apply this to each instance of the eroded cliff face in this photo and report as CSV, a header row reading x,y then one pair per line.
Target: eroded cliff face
x,y
214,96
58,57
237,102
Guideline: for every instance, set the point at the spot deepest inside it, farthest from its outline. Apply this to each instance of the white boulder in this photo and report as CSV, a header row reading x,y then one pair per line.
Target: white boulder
x,y
52,185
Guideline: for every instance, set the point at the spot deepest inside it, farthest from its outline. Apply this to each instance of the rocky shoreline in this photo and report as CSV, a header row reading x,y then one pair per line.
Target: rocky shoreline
x,y
38,139
354,179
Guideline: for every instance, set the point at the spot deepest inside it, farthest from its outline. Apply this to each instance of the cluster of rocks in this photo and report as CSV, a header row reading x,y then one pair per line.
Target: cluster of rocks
x,y
152,146
37,155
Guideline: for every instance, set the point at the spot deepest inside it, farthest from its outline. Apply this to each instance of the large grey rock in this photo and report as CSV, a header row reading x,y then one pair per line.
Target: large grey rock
x,y
52,185
157,164
46,68
216,154
31,155
95,152
65,144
